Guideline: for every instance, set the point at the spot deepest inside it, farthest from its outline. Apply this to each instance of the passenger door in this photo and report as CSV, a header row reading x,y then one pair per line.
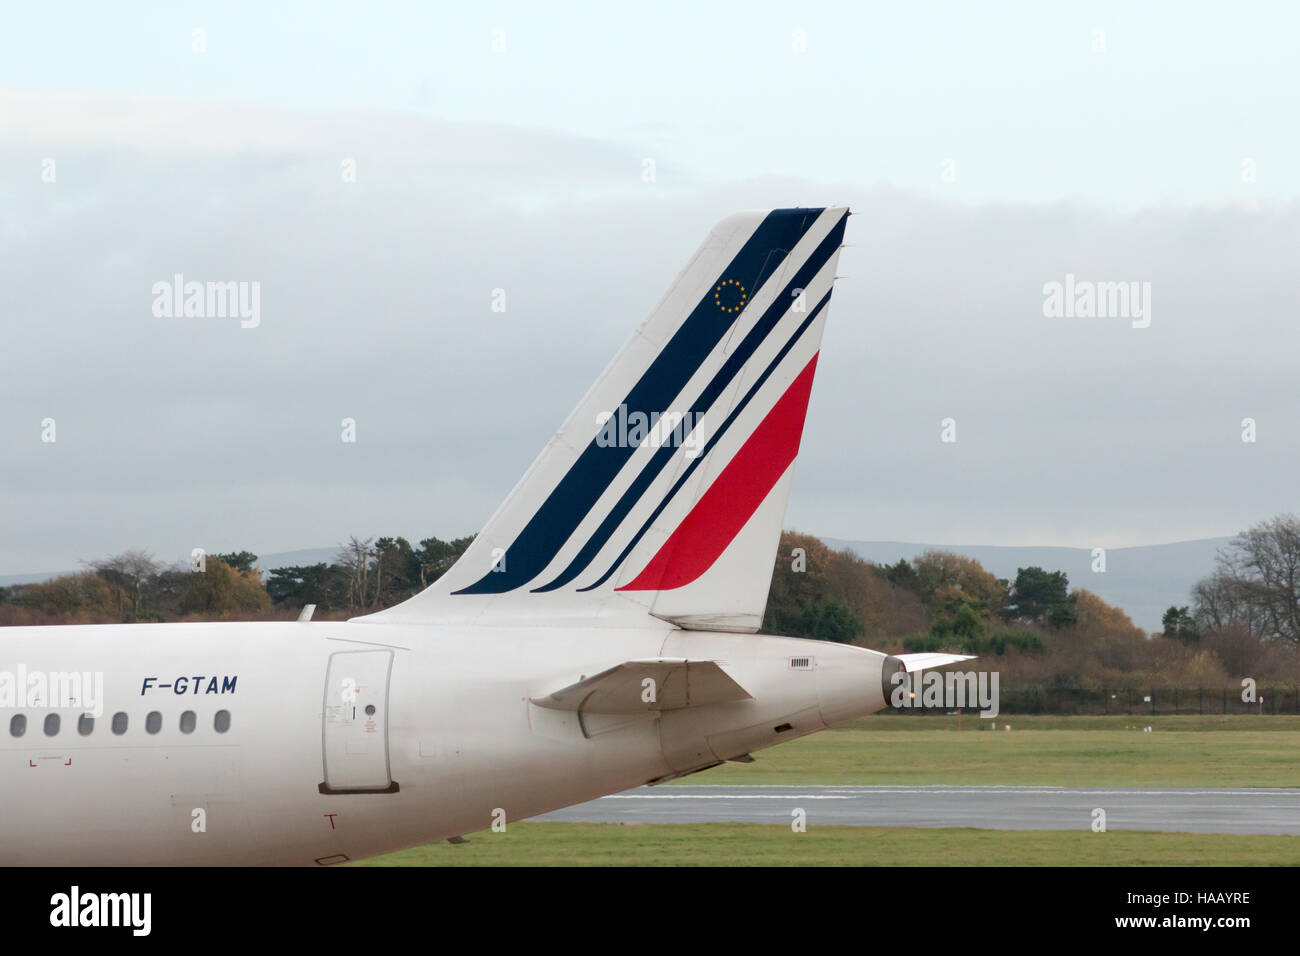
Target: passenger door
x,y
355,717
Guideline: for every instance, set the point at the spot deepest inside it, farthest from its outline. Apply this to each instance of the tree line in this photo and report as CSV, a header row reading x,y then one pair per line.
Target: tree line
x,y
366,575
1242,621
1254,589
134,587
937,600
1040,632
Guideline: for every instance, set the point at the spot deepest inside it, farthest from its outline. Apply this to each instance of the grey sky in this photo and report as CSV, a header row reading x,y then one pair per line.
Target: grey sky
x,y
176,433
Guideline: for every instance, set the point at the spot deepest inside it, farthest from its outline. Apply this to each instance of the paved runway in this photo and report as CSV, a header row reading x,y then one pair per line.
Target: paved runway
x,y
999,808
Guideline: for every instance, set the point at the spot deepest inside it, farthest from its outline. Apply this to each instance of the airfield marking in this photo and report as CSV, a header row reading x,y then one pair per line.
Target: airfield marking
x,y
1260,810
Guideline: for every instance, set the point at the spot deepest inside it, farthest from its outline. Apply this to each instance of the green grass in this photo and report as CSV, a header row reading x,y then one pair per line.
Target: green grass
x,y
1216,751
1183,751
756,844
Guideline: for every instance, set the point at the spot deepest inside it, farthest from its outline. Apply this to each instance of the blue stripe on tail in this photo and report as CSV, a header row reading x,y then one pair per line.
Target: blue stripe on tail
x,y
571,500
730,369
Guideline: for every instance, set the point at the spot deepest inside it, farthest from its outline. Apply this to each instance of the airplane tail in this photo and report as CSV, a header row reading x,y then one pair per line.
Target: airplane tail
x,y
665,490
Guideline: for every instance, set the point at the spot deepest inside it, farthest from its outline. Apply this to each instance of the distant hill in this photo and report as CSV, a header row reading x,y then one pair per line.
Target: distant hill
x,y
1144,581
8,579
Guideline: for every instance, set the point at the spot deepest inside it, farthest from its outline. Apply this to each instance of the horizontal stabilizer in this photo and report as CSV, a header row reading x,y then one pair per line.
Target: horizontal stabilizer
x,y
635,687
918,662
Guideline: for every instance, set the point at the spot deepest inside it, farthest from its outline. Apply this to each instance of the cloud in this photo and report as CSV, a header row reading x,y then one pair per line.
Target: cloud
x,y
376,305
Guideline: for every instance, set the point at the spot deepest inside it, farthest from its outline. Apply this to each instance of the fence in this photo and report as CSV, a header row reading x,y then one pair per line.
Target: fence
x,y
1137,701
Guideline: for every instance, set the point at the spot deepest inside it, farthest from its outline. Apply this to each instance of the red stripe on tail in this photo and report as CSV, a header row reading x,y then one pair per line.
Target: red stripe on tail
x,y
733,498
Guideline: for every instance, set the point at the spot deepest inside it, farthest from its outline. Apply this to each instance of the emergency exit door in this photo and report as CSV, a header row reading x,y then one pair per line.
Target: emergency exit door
x,y
355,718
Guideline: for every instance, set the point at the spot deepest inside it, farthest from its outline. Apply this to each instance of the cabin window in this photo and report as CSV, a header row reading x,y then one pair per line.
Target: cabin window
x,y
85,725
17,725
51,724
221,722
153,722
187,722
119,723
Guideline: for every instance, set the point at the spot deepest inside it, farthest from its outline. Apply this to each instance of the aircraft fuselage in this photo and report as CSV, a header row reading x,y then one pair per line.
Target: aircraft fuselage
x,y
346,740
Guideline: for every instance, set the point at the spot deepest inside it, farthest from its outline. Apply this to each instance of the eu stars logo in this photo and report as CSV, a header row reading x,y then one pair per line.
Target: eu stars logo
x,y
729,296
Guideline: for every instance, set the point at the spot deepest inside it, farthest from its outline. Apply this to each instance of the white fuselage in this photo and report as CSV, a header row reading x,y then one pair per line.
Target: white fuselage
x,y
303,774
